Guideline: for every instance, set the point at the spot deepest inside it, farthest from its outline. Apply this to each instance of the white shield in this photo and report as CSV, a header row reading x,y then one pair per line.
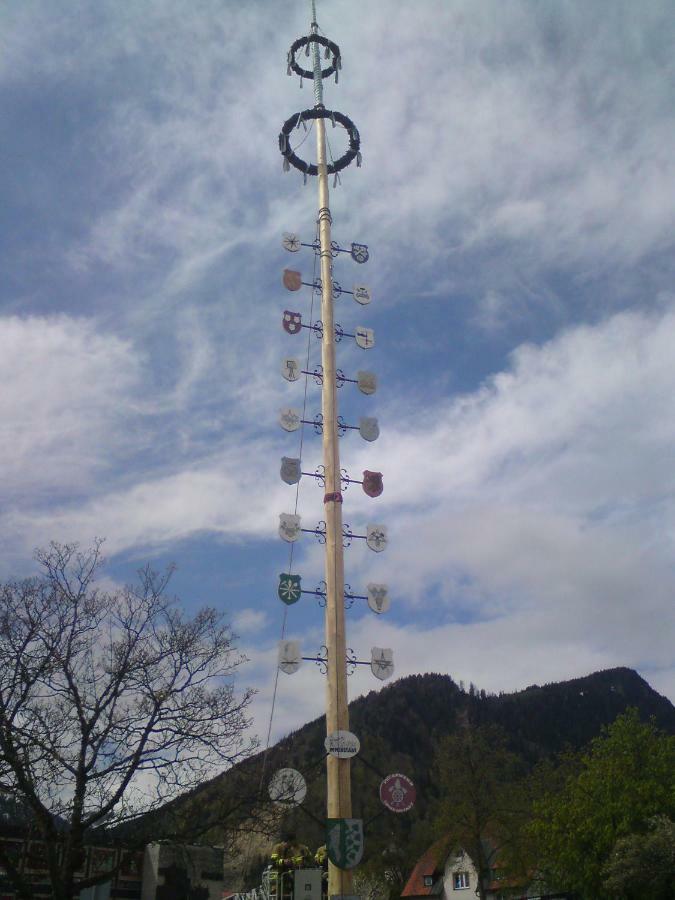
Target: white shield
x,y
289,656
378,597
290,368
365,337
290,469
382,662
289,419
287,788
376,537
290,241
366,382
368,428
289,527
361,294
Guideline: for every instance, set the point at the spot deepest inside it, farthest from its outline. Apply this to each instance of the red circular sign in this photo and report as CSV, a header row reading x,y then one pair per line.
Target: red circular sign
x,y
398,793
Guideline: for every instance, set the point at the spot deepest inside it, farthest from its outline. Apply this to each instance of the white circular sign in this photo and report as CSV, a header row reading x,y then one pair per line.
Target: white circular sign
x,y
287,788
342,744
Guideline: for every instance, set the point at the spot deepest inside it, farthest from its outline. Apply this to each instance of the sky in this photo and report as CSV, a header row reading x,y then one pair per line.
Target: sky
x,y
516,197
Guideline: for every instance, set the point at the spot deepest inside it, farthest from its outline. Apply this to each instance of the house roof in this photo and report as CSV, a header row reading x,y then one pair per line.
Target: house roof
x,y
428,864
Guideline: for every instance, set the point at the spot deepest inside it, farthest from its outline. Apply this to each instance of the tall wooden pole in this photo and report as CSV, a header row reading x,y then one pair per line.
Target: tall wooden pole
x,y
338,772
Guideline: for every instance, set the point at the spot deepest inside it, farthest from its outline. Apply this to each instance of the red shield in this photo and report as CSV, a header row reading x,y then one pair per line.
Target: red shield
x,y
291,321
372,483
292,280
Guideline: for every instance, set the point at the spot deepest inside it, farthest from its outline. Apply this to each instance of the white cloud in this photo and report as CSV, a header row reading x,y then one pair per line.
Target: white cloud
x,y
68,392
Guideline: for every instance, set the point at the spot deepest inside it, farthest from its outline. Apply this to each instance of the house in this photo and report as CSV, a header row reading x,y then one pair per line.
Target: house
x,y
446,871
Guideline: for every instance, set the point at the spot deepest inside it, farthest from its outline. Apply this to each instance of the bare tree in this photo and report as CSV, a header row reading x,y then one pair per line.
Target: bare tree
x,y
111,702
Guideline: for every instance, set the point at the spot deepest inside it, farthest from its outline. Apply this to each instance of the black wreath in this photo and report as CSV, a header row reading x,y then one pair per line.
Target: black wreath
x,y
331,49
319,113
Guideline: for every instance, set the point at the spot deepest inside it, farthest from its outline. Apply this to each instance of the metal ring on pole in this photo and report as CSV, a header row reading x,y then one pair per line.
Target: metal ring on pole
x,y
331,50
319,113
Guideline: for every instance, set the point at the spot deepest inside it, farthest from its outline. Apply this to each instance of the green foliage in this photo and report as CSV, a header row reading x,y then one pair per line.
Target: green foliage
x,y
626,777
483,803
643,865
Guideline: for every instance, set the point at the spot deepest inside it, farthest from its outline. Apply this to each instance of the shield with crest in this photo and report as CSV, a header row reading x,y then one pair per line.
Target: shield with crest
x,y
366,382
290,368
290,242
292,280
289,527
344,842
289,419
376,537
368,428
291,321
364,337
382,662
361,294
289,656
378,597
372,483
360,253
289,588
290,469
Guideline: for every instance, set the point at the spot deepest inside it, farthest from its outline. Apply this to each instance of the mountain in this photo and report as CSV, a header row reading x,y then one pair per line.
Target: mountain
x,y
400,728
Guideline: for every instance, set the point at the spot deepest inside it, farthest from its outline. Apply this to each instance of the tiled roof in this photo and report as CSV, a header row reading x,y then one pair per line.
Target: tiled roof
x,y
428,864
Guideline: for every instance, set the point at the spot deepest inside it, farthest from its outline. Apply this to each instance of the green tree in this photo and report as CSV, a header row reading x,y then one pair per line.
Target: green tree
x,y
482,806
626,777
111,702
643,865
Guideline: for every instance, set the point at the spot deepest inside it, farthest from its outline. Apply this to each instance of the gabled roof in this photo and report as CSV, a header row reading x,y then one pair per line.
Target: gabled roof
x,y
430,863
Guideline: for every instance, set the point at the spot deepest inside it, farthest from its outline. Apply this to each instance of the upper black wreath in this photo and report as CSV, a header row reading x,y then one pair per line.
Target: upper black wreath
x,y
331,49
319,113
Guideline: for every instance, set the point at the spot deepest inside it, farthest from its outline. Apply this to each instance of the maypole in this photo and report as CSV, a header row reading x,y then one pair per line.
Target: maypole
x,y
344,834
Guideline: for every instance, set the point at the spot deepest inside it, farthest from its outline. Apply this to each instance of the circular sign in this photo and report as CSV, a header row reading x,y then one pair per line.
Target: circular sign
x,y
287,788
398,793
342,744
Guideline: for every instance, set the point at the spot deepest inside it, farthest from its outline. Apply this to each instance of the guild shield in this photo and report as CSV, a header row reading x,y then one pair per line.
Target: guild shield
x,y
368,428
287,788
289,588
292,321
290,470
290,241
361,294
376,537
382,662
360,253
289,656
378,597
365,381
289,527
290,368
372,483
292,280
344,842
365,338
289,419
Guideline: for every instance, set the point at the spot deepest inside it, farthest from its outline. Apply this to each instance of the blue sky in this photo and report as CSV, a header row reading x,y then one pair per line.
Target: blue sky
x,y
516,195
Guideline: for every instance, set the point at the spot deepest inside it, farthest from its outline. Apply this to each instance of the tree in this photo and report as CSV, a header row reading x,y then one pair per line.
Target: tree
x,y
111,702
482,805
643,865
626,777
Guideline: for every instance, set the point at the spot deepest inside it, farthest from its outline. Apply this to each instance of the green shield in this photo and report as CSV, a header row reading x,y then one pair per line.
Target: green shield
x,y
289,588
344,842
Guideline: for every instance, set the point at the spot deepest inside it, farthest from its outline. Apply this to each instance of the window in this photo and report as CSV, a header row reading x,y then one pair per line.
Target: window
x,y
460,880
